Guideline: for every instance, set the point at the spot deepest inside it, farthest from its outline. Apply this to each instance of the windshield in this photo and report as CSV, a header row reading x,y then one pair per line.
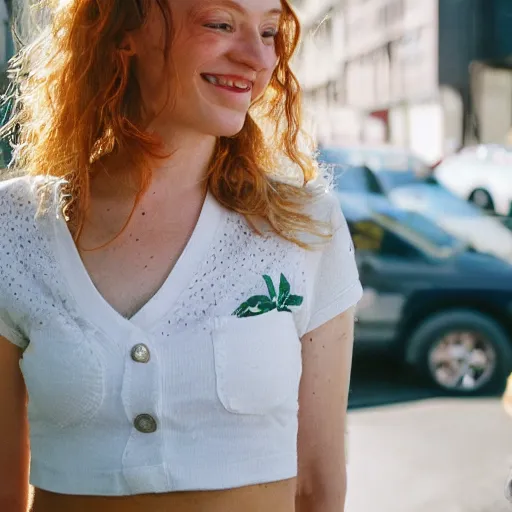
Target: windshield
x,y
393,179
421,232
353,179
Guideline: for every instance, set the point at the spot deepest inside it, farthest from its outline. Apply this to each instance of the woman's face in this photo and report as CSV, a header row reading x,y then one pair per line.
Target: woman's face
x,y
222,58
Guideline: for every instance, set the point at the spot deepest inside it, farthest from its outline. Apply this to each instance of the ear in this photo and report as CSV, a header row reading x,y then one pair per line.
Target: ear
x,y
127,45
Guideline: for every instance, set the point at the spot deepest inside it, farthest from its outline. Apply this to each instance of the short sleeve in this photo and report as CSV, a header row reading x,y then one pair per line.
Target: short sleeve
x,y
336,285
11,193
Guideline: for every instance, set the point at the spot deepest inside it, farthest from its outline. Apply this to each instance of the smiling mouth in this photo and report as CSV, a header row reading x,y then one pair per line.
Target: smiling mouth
x,y
234,84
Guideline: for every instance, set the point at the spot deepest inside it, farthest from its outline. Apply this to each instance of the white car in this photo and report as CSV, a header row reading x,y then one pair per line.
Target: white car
x,y
480,174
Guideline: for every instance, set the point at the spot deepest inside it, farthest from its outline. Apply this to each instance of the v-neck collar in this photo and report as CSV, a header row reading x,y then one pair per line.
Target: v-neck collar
x,y
98,310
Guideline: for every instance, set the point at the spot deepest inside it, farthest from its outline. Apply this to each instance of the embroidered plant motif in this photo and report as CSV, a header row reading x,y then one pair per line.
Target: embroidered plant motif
x,y
260,304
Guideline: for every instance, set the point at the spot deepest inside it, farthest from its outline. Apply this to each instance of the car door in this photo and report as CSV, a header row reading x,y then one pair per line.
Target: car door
x,y
386,263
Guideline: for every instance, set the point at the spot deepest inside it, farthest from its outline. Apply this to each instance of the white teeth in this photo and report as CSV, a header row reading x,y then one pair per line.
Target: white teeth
x,y
218,80
212,79
241,85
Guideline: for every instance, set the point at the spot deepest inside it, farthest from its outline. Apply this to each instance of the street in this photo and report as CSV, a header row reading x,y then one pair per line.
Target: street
x,y
410,451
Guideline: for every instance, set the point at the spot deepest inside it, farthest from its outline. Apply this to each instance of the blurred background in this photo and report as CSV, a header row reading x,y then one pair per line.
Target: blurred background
x,y
410,103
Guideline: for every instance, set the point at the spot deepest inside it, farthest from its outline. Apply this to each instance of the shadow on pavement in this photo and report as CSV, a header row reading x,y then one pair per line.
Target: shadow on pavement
x,y
378,380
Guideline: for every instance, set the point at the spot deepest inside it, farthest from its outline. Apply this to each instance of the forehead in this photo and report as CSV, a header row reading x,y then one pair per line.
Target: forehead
x,y
253,7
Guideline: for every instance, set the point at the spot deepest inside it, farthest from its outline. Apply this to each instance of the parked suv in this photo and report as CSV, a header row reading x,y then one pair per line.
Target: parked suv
x,y
430,299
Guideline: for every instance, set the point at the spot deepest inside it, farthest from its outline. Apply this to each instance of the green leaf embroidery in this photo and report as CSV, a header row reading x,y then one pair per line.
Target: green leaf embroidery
x,y
260,304
256,305
284,292
294,300
271,288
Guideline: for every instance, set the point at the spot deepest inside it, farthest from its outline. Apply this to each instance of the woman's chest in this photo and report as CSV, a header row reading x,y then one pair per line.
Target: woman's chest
x,y
224,366
221,339
134,265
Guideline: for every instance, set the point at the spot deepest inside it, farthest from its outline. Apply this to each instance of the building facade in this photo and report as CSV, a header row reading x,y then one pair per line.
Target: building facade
x,y
402,71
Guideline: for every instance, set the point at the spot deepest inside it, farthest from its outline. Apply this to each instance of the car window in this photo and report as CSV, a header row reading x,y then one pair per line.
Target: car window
x,y
421,232
397,169
355,179
347,177
351,179
394,168
403,235
392,178
370,236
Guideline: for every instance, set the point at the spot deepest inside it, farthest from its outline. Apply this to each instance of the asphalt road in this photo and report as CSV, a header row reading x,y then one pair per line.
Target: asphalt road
x,y
413,451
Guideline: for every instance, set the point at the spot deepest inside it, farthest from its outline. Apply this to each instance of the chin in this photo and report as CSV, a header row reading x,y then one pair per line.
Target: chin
x,y
228,126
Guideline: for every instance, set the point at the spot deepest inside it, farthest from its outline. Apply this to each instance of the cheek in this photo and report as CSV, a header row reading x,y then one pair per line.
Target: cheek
x,y
262,83
191,53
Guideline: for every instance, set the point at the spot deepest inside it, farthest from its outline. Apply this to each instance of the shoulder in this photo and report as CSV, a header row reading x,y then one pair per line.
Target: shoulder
x,y
319,198
323,203
17,202
20,196
22,216
14,189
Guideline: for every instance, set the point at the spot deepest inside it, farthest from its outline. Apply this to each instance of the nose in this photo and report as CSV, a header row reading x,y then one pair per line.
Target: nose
x,y
250,50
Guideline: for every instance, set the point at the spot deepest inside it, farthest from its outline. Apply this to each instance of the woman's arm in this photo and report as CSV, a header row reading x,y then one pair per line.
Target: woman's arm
x,y
14,444
323,397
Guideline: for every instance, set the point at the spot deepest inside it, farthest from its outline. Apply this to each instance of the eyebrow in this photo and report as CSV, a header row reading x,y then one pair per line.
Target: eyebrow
x,y
232,4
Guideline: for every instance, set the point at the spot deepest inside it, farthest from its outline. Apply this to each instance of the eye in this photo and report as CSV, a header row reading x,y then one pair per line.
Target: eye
x,y
270,33
225,27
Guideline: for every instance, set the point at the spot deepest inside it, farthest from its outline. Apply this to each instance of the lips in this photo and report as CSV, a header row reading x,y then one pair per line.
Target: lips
x,y
234,83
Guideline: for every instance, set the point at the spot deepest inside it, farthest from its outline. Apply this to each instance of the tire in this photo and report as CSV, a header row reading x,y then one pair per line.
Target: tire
x,y
426,343
481,198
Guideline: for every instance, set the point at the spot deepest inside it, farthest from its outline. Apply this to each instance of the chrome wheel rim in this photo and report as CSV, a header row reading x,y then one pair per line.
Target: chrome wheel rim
x,y
462,361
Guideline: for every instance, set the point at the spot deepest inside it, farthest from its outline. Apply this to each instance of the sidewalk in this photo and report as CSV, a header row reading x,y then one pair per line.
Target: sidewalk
x,y
434,455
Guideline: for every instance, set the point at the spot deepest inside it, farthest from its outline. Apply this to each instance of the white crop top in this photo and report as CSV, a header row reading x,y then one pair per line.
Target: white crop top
x,y
199,389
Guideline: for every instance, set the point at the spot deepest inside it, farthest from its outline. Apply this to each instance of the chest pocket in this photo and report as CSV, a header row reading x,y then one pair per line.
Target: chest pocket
x,y
257,362
64,378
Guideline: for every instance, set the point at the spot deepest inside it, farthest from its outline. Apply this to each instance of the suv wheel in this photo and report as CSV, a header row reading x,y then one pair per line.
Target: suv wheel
x,y
462,352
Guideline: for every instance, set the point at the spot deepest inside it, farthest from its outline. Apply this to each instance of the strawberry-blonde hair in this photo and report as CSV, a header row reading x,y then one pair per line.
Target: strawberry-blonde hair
x,y
77,99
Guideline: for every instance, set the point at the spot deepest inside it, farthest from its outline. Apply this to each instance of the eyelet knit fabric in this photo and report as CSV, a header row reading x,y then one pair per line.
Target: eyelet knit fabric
x,y
213,403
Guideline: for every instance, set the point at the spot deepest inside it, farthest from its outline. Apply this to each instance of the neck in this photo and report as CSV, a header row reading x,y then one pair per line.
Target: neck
x,y
187,165
181,172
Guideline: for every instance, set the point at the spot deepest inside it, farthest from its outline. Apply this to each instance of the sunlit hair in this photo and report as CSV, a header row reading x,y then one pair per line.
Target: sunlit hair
x,y
77,99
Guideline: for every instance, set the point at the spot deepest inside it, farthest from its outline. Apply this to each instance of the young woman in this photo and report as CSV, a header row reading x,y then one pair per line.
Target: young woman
x,y
176,320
